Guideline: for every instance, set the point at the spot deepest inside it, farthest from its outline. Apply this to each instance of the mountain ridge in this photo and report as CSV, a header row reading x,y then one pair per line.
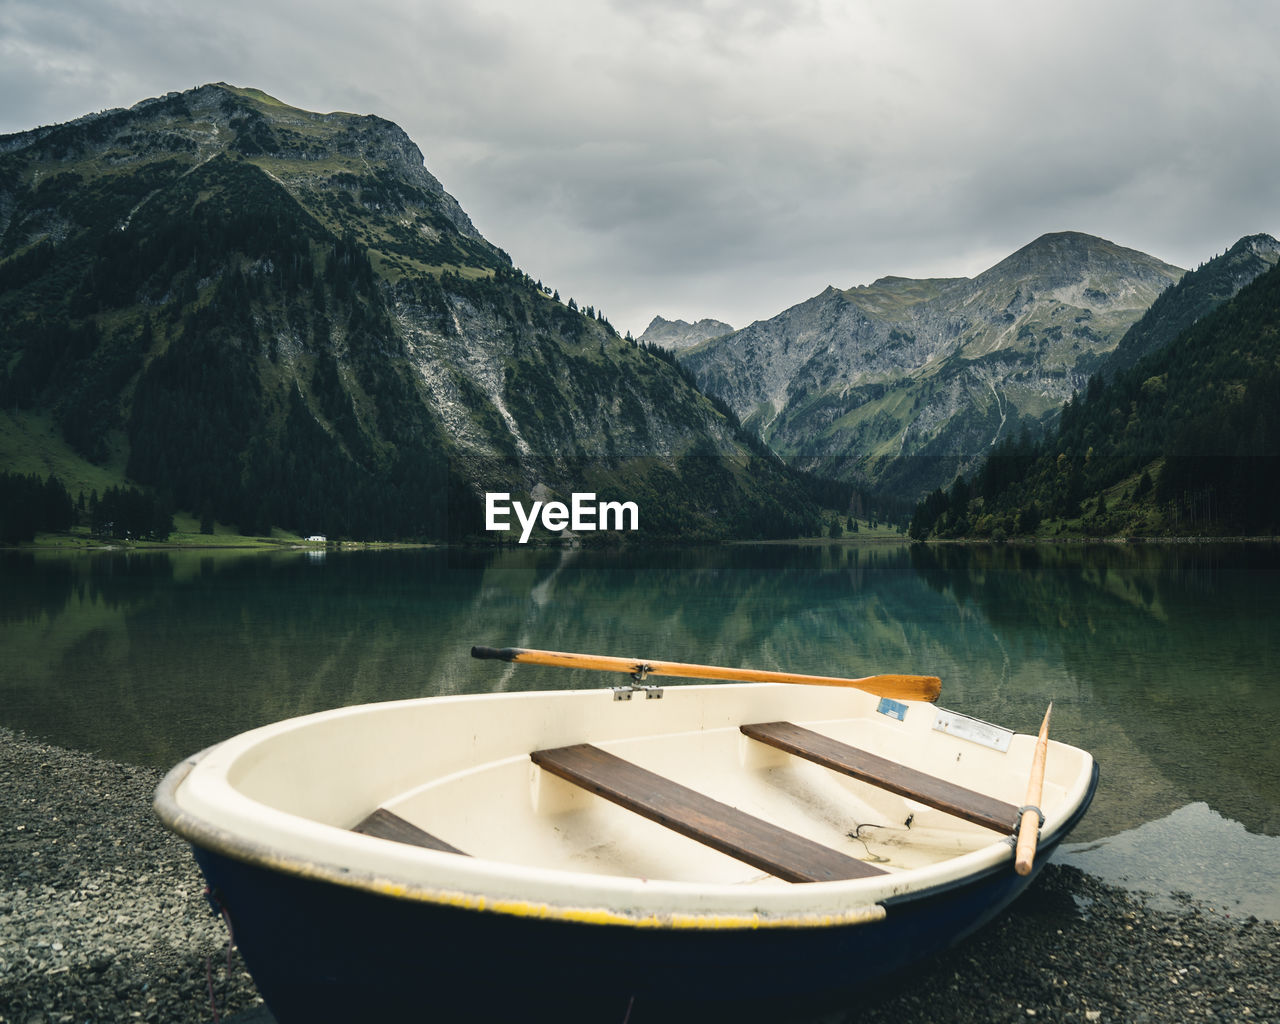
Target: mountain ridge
x,y
1194,296
1185,441
677,335
278,317
935,369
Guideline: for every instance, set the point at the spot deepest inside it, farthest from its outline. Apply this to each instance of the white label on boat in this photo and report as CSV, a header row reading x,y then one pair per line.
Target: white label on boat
x,y
972,729
893,708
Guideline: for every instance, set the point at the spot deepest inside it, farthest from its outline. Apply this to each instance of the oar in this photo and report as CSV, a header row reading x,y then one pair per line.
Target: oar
x,y
1032,816
899,687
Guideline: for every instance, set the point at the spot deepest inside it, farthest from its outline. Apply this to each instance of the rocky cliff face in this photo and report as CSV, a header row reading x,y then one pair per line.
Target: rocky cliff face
x,y
903,382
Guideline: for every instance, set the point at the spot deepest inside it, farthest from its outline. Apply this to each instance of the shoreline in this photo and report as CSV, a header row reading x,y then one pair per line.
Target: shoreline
x,y
882,537
103,918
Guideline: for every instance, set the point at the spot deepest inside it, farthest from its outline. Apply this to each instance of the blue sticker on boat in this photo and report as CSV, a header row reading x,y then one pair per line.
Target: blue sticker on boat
x,y
893,708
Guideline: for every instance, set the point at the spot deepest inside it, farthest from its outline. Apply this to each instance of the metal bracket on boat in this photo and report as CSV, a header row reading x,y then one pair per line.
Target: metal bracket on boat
x,y
1023,810
650,692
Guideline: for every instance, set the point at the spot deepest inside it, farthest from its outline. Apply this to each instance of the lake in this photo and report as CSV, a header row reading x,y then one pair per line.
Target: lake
x,y
1160,659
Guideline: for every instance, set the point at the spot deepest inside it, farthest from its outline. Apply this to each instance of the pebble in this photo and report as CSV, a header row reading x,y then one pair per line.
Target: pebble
x,y
102,912
103,919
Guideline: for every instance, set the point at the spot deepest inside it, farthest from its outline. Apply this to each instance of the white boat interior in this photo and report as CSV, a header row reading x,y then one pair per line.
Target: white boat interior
x,y
464,772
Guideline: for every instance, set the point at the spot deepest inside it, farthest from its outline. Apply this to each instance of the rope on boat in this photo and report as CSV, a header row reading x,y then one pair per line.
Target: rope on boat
x,y
856,834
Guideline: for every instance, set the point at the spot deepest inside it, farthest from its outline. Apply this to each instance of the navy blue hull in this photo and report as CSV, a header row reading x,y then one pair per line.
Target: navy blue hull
x,y
323,952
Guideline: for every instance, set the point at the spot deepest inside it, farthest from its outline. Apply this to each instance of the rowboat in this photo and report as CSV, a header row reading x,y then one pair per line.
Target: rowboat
x,y
618,854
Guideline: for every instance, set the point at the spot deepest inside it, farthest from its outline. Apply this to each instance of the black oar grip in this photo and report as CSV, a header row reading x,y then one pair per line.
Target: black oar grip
x,y
495,653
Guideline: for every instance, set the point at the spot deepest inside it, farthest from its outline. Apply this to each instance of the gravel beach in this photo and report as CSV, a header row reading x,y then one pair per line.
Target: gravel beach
x,y
103,919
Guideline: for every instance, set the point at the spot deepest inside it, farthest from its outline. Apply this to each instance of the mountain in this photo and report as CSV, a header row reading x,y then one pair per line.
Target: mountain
x,y
273,317
675,335
1195,295
904,382
1186,441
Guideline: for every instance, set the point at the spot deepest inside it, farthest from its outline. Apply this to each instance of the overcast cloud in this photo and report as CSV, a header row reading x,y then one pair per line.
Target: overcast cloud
x,y
728,159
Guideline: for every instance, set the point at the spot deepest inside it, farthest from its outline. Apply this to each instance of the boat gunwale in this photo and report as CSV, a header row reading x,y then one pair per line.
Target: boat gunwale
x,y
617,899
215,839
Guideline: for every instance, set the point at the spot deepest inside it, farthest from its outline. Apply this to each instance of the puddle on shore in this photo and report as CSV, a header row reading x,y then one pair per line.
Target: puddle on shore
x,y
1194,851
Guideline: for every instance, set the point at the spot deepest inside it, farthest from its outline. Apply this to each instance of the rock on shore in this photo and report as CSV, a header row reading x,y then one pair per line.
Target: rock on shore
x,y
103,919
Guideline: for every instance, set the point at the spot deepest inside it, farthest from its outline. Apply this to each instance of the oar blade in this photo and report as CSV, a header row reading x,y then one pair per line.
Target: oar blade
x,y
900,687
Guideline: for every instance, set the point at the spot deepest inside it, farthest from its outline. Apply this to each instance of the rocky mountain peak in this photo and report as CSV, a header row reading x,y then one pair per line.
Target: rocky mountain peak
x,y
677,335
1260,245
276,129
1196,294
1064,259
300,149
280,318
937,367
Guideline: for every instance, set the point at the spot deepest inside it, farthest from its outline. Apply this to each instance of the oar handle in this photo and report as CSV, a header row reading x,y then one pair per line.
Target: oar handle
x,y
1032,816
898,687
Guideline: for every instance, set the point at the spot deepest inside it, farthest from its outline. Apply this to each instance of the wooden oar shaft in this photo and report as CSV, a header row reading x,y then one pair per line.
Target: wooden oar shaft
x,y
899,687
1029,828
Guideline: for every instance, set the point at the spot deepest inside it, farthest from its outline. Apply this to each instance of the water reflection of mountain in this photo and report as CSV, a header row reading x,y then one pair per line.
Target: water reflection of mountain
x,y
1158,659
817,609
148,657
1176,646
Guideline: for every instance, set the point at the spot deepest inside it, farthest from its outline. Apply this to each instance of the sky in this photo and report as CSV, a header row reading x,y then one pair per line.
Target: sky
x,y
729,159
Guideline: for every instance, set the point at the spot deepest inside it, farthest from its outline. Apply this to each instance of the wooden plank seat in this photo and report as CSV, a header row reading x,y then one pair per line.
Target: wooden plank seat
x,y
896,778
385,824
740,835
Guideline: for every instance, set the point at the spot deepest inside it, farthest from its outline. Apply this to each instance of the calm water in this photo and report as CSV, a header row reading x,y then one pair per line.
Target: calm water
x,y
1160,660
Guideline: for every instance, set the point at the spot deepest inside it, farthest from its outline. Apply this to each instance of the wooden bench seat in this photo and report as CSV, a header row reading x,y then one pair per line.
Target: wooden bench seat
x,y
896,778
385,824
756,842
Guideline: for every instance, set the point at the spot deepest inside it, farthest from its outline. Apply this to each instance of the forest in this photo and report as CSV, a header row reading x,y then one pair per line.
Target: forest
x,y
30,505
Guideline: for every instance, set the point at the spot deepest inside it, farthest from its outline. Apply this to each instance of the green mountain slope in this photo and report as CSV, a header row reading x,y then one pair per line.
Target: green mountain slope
x,y
1197,294
1185,441
275,317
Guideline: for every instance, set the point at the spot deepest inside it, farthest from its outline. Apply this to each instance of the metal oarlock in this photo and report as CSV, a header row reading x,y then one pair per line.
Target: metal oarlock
x,y
637,685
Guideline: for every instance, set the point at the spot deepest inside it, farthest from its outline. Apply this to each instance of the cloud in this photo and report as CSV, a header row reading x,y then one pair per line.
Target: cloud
x,y
728,158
